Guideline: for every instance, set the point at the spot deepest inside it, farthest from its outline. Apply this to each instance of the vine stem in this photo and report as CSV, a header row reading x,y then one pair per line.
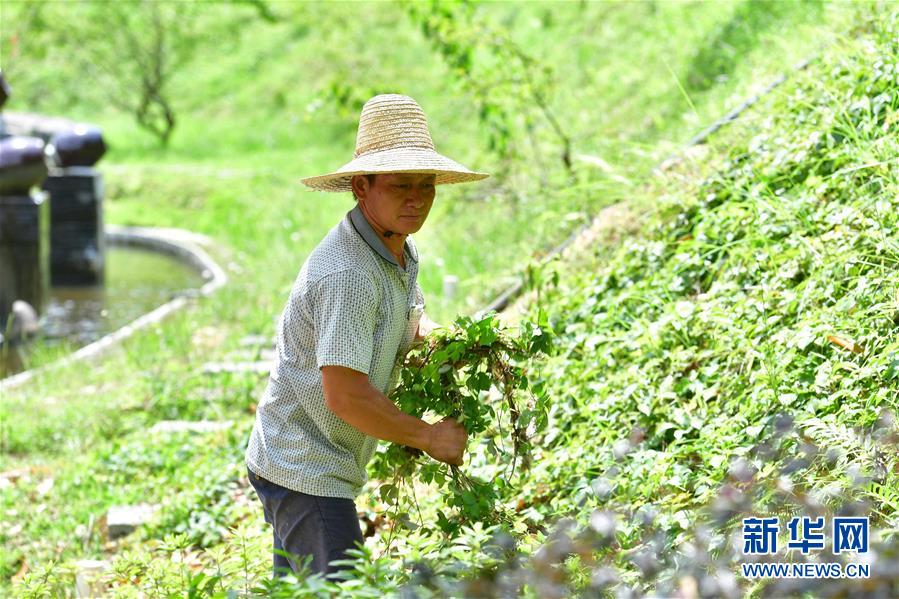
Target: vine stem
x,y
396,511
421,521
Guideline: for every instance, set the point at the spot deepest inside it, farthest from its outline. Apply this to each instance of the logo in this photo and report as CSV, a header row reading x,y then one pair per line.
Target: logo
x,y
810,537
848,535
760,536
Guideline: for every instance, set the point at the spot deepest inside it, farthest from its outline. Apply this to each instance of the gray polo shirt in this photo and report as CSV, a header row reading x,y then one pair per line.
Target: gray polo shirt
x,y
351,305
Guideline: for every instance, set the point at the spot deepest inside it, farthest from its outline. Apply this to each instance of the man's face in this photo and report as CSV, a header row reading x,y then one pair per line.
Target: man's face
x,y
398,202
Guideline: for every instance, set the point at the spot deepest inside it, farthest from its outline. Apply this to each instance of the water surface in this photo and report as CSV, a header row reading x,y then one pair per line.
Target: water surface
x,y
137,281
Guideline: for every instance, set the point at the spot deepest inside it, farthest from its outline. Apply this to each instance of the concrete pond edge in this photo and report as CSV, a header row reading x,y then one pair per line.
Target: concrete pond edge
x,y
178,243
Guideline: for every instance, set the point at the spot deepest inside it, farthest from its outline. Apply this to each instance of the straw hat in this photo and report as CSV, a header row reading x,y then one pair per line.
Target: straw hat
x,y
393,137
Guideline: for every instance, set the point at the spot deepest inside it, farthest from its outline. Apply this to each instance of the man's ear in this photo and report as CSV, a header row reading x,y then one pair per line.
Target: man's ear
x,y
360,186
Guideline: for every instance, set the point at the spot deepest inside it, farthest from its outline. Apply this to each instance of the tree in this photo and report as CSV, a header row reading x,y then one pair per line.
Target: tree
x,y
512,87
134,50
129,52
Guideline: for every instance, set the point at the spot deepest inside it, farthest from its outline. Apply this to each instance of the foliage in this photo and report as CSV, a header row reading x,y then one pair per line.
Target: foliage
x,y
738,356
765,293
470,373
512,87
618,552
131,51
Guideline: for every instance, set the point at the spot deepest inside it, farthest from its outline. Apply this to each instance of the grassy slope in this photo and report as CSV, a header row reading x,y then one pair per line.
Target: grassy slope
x,y
763,290
109,450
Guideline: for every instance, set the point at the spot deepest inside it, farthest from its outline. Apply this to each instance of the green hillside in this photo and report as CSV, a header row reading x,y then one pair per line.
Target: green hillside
x,y
730,349
262,104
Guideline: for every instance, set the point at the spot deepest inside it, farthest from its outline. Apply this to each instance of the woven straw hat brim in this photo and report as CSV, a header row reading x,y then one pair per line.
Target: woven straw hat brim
x,y
397,160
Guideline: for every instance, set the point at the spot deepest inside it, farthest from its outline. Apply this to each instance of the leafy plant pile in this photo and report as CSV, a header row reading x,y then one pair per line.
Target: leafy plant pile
x,y
470,372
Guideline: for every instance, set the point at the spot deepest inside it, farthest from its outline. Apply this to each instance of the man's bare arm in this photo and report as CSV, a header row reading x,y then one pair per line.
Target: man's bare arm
x,y
351,396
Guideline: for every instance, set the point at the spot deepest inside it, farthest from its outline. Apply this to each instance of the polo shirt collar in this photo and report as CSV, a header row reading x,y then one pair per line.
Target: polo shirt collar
x,y
371,237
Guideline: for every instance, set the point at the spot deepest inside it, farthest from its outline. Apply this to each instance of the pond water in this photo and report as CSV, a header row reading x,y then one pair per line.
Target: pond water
x,y
137,281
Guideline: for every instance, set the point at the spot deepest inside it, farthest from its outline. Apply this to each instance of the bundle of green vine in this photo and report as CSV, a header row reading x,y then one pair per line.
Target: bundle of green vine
x,y
471,371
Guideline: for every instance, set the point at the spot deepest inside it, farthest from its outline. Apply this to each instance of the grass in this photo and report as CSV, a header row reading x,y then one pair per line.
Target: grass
x,y
699,330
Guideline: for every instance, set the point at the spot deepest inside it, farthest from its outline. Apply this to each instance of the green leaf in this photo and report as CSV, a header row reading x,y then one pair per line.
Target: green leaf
x,y
892,371
388,493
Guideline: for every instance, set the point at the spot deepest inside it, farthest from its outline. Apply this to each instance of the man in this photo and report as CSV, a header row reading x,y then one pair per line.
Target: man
x,y
354,311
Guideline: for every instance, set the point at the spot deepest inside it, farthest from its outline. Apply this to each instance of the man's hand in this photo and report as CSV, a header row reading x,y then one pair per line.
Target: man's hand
x,y
447,442
350,395
425,326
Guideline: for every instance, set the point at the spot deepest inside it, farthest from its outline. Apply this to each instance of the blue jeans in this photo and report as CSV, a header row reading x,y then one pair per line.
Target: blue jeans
x,y
307,526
